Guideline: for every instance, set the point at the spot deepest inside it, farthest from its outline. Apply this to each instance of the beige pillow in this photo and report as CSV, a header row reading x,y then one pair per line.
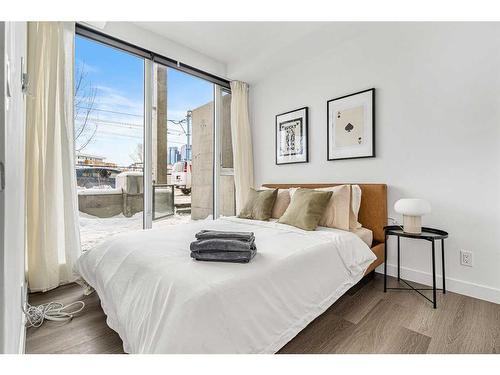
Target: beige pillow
x,y
281,204
259,204
306,208
338,210
355,205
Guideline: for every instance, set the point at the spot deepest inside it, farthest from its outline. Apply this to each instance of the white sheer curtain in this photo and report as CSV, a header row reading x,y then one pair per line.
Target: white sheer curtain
x,y
242,142
53,238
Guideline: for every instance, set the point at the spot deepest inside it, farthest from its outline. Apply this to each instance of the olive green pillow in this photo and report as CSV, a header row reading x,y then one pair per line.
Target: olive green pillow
x,y
259,204
306,208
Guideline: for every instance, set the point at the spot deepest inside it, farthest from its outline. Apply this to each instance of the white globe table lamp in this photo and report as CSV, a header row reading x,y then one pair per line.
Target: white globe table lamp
x,y
412,211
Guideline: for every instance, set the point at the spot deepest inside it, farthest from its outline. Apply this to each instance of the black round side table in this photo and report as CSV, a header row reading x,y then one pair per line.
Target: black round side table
x,y
428,234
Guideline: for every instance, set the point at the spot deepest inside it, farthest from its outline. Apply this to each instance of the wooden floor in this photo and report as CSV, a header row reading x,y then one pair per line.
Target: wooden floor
x,y
364,321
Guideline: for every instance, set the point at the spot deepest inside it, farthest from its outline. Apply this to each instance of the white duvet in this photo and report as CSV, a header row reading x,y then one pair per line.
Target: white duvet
x,y
160,300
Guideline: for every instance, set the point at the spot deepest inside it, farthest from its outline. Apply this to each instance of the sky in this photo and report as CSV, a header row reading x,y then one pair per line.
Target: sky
x,y
116,78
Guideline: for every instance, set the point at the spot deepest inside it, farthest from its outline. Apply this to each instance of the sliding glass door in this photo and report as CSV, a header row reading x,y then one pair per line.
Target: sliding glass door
x,y
225,199
152,141
182,146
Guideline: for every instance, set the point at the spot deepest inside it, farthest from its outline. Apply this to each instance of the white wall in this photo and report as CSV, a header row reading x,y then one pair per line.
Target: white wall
x,y
437,133
129,32
12,211
2,195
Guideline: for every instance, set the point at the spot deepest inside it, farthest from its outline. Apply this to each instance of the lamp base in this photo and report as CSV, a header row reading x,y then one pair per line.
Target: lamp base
x,y
412,224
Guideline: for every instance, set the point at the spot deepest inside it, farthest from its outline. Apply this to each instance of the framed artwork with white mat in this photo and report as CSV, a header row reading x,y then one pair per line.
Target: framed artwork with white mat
x,y
351,126
292,137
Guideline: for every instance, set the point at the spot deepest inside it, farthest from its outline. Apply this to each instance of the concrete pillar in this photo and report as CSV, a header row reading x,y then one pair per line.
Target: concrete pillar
x,y
160,147
202,178
202,159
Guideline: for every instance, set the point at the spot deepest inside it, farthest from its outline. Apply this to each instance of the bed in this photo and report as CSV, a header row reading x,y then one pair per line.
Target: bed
x,y
159,300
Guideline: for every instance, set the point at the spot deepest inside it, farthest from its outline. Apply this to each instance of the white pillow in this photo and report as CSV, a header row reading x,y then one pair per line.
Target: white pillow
x,y
337,212
292,191
355,205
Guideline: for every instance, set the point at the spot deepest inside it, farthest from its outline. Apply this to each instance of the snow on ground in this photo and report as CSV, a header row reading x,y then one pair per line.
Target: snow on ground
x,y
94,229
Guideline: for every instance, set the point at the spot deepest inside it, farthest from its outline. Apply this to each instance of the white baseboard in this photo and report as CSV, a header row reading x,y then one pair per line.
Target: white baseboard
x,y
466,288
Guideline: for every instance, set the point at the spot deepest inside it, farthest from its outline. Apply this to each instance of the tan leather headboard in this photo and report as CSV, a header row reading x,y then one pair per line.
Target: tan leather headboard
x,y
373,210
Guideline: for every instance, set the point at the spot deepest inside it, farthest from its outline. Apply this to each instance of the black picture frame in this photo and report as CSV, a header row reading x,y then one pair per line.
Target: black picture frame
x,y
372,90
306,135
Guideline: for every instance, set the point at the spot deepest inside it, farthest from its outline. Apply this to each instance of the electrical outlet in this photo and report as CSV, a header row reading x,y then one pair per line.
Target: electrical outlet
x,y
466,258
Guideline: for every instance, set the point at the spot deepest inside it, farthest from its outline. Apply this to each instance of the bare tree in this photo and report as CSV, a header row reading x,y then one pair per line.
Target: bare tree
x,y
136,155
84,106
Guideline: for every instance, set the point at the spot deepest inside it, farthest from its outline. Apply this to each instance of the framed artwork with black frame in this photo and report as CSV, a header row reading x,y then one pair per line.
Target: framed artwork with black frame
x,y
292,137
351,126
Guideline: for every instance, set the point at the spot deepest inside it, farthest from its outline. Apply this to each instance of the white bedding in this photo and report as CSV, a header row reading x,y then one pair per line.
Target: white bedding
x,y
159,300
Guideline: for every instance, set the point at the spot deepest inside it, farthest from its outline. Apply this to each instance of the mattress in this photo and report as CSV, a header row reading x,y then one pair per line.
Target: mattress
x,y
159,300
365,234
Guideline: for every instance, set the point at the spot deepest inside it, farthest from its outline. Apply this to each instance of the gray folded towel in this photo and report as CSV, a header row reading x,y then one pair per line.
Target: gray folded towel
x,y
224,256
214,234
222,244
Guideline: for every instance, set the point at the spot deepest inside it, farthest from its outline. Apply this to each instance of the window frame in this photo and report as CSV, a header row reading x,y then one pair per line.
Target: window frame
x,y
150,59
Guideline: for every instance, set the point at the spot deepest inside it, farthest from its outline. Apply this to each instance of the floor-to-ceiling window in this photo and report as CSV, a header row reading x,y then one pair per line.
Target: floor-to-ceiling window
x,y
109,141
225,199
152,142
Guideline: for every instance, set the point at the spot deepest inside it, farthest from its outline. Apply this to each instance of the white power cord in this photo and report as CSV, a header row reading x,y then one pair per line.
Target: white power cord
x,y
54,311
395,222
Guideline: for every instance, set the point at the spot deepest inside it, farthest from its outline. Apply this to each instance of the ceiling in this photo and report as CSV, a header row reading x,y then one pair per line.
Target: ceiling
x,y
251,50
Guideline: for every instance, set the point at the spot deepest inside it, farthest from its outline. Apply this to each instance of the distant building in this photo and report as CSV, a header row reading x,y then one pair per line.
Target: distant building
x,y
81,159
173,155
92,160
185,152
137,166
